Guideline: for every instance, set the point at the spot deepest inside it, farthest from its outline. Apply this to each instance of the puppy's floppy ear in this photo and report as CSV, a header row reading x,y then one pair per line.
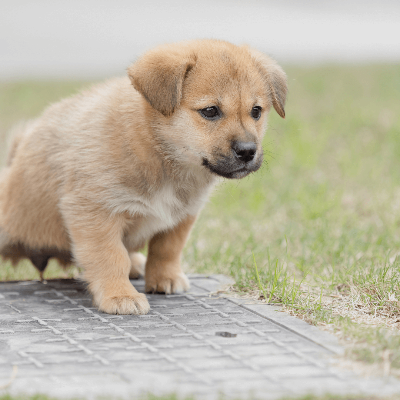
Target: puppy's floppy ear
x,y
274,78
159,76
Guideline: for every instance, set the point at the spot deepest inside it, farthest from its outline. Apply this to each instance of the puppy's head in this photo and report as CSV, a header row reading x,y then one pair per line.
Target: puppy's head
x,y
209,102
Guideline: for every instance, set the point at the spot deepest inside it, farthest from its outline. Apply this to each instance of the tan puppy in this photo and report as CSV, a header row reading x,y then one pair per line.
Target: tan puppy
x,y
132,161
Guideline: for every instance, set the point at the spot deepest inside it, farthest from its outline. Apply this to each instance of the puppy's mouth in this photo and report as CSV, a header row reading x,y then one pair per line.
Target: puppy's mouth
x,y
232,168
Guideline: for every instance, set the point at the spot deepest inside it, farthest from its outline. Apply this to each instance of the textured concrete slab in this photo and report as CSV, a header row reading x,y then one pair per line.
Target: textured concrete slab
x,y
194,343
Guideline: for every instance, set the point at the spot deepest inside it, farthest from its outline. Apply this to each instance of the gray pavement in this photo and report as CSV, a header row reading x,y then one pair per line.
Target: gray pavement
x,y
195,343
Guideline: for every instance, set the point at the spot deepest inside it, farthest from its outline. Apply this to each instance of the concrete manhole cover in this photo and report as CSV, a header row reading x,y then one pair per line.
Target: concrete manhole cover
x,y
194,343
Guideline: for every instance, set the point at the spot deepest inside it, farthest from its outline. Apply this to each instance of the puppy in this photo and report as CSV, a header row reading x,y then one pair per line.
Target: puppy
x,y
131,161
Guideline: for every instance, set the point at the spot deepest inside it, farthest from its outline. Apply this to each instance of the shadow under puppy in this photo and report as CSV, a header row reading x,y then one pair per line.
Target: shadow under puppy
x,y
131,161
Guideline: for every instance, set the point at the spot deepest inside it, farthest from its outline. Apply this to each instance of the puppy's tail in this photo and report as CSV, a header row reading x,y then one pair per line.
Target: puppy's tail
x,y
15,137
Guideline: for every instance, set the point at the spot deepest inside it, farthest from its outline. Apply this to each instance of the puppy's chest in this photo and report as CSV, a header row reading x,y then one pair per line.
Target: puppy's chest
x,y
171,203
167,206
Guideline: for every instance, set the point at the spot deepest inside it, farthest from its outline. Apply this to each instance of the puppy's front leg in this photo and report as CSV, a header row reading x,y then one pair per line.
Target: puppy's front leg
x,y
98,248
163,269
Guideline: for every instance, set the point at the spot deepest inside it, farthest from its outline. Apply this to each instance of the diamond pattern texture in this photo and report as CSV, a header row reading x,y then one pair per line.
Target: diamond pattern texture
x,y
63,346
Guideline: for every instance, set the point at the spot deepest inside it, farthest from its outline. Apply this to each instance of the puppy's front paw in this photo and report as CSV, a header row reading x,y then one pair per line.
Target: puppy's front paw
x,y
171,283
137,304
118,297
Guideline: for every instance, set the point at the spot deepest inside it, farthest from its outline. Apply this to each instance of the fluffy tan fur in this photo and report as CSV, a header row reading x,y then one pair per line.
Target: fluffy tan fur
x,y
100,174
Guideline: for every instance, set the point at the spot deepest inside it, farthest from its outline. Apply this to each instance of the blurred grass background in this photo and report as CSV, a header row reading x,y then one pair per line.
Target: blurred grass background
x,y
329,200
320,219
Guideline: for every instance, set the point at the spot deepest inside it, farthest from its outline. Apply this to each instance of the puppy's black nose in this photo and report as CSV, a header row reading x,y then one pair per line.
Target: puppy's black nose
x,y
244,151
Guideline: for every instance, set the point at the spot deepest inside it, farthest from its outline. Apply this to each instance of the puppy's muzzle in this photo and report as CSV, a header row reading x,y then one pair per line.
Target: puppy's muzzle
x,y
242,161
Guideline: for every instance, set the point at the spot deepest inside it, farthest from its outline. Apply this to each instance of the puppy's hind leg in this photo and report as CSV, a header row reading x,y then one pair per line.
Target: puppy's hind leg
x,y
138,263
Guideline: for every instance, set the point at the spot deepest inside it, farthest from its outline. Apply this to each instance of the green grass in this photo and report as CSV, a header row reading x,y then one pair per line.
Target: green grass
x,y
321,219
338,397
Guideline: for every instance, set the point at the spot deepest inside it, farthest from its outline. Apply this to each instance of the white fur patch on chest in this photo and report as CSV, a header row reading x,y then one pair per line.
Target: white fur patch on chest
x,y
160,212
165,205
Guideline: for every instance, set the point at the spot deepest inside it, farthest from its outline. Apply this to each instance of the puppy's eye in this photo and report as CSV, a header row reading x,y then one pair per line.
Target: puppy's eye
x,y
211,113
256,112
